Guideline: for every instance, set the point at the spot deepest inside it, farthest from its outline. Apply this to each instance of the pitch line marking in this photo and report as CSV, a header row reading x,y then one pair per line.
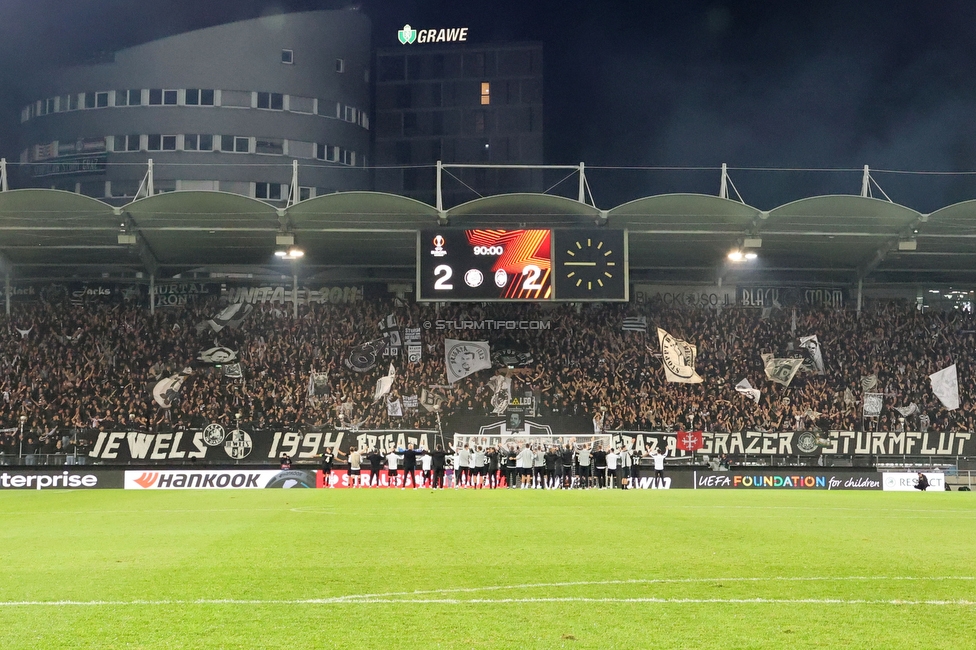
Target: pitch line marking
x,y
391,597
635,581
490,601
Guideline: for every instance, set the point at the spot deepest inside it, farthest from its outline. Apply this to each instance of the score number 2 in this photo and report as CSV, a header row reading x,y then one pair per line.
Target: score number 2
x,y
443,274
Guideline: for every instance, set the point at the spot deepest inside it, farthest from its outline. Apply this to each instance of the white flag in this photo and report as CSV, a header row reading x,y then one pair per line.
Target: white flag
x,y
746,389
167,389
394,408
907,411
945,385
782,371
679,359
811,344
872,404
384,384
464,358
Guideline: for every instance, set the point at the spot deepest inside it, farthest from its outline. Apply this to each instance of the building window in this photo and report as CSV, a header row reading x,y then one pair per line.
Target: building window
x,y
269,191
485,93
170,97
271,101
72,102
235,144
101,100
350,114
121,98
198,142
154,142
51,105
273,146
169,143
126,143
135,97
89,100
340,65
288,56
327,152
198,97
305,193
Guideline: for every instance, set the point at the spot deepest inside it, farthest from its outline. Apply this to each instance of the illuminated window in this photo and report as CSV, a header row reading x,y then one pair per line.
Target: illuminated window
x,y
485,93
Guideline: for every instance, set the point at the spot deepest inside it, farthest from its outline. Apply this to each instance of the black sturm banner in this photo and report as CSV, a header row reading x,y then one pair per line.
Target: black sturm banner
x,y
215,445
808,443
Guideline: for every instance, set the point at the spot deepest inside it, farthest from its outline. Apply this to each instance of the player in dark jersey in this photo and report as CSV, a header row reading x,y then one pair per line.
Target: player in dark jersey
x,y
375,460
492,458
329,455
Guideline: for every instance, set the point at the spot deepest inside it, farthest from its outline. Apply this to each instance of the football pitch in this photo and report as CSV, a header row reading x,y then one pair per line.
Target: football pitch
x,y
486,569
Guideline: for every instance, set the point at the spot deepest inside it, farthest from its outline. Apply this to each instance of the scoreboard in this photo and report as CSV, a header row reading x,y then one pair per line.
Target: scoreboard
x,y
481,265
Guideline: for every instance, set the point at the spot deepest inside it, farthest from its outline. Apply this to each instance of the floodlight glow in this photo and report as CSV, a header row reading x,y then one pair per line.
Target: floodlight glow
x,y
280,253
735,256
295,253
751,256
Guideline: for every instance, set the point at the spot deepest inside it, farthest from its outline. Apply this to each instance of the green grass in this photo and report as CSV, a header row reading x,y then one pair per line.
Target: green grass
x,y
296,545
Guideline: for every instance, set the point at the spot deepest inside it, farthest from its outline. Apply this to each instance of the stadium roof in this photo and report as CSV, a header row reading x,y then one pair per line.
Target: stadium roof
x,y
673,237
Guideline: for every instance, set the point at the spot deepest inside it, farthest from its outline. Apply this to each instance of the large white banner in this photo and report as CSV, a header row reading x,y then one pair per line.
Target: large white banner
x,y
463,358
678,358
945,385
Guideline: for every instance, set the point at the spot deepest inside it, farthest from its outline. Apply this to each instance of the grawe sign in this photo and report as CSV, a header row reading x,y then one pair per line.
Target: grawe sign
x,y
408,35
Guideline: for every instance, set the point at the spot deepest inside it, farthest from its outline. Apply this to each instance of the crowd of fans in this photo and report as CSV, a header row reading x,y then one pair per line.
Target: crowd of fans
x,y
67,368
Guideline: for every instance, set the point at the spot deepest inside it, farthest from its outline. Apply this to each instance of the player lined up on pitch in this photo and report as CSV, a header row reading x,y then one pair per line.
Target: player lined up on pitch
x,y
511,465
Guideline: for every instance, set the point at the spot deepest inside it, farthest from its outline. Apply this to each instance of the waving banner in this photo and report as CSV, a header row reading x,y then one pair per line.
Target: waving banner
x,y
782,371
872,404
945,385
168,389
464,358
678,358
363,357
812,345
746,389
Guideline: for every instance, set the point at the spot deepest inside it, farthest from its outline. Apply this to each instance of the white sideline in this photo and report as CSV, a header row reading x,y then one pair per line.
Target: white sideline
x,y
397,597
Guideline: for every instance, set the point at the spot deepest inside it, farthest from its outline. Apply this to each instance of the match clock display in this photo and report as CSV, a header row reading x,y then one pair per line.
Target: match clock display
x,y
522,265
590,264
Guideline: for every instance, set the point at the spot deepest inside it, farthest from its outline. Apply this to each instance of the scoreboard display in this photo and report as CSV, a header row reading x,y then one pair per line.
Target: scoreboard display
x,y
532,265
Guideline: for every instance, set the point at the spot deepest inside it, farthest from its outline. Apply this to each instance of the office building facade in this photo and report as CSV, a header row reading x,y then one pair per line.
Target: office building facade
x,y
458,103
225,108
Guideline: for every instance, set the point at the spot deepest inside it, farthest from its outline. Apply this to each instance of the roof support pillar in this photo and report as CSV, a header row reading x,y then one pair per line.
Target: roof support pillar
x,y
866,182
723,188
294,294
860,290
440,194
293,192
152,294
582,184
6,291
3,175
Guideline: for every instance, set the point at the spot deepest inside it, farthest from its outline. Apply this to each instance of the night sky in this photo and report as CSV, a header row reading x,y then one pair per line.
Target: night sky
x,y
817,85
